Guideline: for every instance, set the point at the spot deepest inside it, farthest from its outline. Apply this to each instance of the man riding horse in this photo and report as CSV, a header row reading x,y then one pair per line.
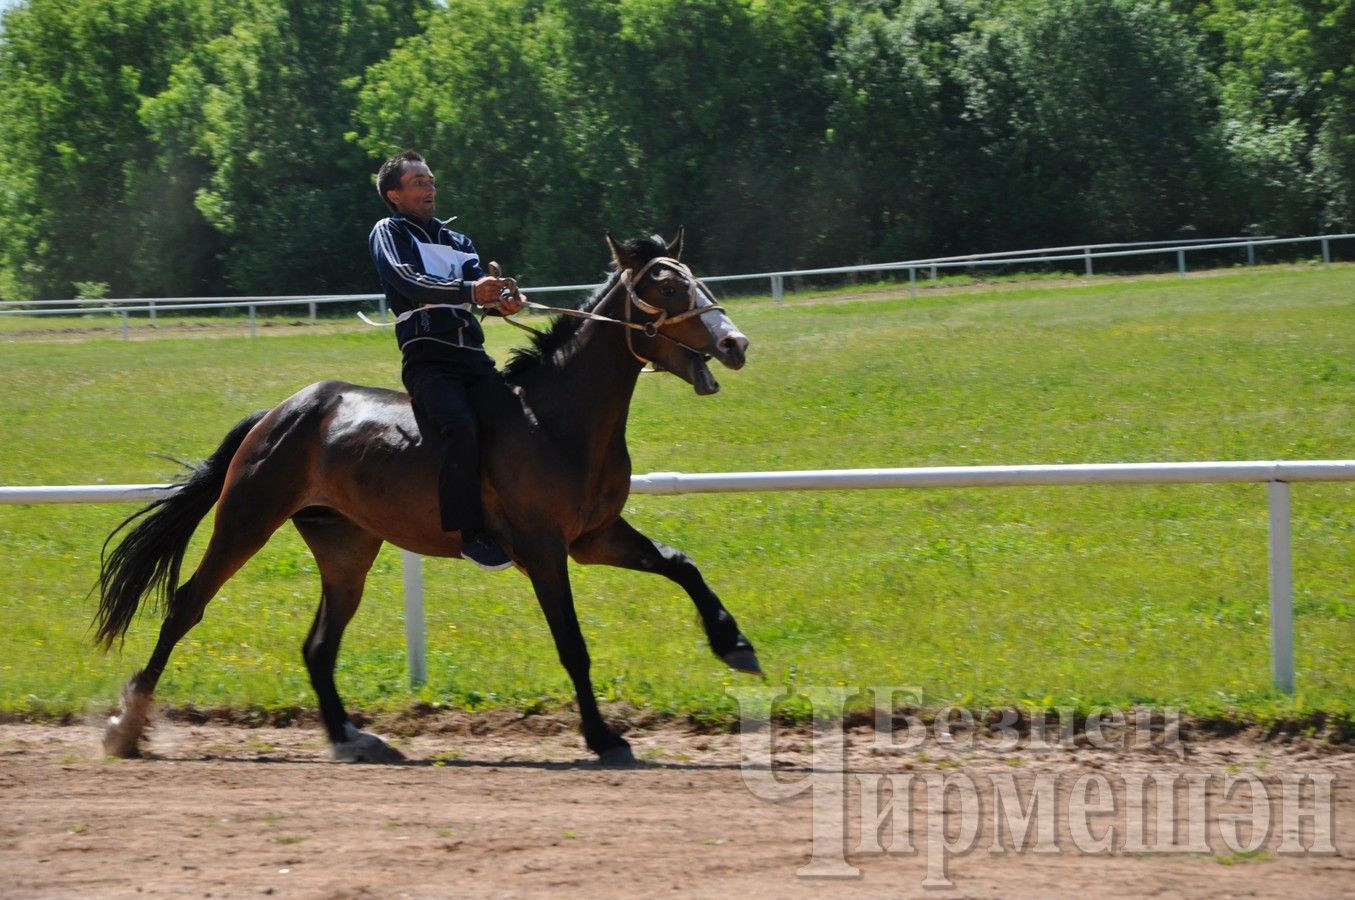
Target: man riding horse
x,y
352,467
433,281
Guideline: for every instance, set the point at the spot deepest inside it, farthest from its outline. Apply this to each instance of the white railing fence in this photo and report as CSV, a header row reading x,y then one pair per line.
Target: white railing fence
x,y
1277,475
1080,253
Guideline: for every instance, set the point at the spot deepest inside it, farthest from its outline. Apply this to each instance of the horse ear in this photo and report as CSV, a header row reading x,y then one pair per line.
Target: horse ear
x,y
623,259
675,248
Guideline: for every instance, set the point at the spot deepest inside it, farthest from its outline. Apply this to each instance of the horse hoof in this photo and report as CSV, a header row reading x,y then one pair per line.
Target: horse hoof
x,y
617,756
743,661
120,740
364,747
122,737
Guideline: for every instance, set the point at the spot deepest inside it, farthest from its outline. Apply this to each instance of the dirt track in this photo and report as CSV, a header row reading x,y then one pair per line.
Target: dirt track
x,y
498,807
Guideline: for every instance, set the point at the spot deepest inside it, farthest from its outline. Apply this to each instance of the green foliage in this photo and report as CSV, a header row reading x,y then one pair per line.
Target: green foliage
x,y
1098,111
1288,74
551,122
467,93
91,290
266,106
169,147
72,151
898,136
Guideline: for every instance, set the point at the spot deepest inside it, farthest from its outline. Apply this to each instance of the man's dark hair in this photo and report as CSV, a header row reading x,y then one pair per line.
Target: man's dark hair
x,y
392,170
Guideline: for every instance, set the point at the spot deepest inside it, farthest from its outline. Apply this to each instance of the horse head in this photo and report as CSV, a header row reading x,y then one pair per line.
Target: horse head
x,y
680,326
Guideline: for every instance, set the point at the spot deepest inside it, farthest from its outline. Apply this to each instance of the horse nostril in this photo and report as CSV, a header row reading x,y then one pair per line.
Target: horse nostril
x,y
734,343
731,349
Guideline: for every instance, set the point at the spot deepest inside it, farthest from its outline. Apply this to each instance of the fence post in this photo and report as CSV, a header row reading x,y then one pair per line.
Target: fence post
x,y
933,276
1281,589
312,306
415,632
123,315
151,304
778,289
1181,263
912,281
253,324
1087,255
1326,252
1251,253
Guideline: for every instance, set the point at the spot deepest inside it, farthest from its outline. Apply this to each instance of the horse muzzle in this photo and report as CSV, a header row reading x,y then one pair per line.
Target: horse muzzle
x,y
732,350
729,347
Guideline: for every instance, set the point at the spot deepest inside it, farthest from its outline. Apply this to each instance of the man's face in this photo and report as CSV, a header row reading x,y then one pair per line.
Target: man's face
x,y
416,197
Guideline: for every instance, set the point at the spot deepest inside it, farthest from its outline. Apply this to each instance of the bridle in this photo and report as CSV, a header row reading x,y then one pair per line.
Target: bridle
x,y
653,328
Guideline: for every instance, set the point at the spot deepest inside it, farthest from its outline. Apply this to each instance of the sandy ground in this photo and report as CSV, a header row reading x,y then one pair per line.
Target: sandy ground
x,y
502,806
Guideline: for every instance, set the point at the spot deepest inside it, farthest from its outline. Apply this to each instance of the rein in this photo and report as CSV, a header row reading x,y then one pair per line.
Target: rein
x,y
625,281
650,329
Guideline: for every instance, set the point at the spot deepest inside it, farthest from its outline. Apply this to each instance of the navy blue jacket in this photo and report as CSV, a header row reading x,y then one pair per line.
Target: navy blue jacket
x,y
401,264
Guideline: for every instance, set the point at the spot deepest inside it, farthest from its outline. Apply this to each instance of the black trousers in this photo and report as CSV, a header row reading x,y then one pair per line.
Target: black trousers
x,y
450,395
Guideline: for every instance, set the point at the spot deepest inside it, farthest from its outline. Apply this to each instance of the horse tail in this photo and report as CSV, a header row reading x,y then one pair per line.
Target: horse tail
x,y
149,557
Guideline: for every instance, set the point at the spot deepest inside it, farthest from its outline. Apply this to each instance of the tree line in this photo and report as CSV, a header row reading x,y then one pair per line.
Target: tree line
x,y
203,147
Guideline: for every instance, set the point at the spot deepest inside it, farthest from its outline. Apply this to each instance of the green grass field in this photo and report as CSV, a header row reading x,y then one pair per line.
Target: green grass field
x,y
1046,596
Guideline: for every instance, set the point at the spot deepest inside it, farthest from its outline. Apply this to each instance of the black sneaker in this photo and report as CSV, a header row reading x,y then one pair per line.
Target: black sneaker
x,y
478,547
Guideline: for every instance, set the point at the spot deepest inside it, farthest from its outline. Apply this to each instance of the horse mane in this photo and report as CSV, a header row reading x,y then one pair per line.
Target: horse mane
x,y
543,348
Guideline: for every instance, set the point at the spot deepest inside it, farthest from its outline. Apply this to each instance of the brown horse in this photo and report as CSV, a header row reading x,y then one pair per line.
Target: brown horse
x,y
351,468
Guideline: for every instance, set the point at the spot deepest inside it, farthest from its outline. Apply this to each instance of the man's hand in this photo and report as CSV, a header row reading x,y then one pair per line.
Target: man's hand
x,y
499,294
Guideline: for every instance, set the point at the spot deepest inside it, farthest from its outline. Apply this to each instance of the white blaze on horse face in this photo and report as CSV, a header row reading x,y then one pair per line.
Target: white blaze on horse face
x,y
727,336
727,343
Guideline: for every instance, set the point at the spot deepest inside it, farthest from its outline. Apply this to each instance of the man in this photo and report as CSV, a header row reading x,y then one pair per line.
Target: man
x,y
433,282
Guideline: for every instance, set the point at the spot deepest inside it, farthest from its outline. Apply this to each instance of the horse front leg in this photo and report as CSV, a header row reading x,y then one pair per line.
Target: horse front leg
x,y
620,545
549,573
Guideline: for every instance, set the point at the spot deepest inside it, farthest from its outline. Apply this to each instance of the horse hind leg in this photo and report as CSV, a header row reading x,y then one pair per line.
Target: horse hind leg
x,y
344,553
236,537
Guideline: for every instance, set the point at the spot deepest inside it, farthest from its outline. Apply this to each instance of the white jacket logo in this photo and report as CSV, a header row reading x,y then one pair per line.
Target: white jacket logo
x,y
442,261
